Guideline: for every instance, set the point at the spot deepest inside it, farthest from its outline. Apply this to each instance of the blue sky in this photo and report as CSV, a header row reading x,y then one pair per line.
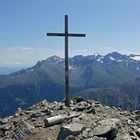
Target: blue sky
x,y
110,25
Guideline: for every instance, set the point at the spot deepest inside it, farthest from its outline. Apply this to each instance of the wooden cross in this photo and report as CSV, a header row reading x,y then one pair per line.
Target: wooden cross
x,y
66,34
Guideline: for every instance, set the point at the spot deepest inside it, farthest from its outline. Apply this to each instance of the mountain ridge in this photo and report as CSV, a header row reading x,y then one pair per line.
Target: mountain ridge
x,y
46,79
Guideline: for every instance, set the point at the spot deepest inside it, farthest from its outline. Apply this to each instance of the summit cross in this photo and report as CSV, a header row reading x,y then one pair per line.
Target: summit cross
x,y
66,34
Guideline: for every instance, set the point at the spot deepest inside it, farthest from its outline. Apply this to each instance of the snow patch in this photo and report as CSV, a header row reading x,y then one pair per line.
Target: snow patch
x,y
113,59
72,67
119,60
55,59
32,69
136,58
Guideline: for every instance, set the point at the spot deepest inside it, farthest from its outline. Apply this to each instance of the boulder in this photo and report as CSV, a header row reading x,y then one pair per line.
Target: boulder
x,y
73,129
35,115
107,128
22,129
79,99
4,129
81,106
136,112
4,121
44,103
2,132
47,111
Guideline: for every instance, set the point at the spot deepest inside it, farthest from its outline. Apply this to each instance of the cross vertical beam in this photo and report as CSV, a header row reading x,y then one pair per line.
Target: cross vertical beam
x,y
66,34
66,63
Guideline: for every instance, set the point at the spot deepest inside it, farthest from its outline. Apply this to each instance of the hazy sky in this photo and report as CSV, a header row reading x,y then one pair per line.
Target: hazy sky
x,y
110,25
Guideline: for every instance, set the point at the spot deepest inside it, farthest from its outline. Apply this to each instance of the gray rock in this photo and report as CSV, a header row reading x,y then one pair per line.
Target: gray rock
x,y
4,121
136,112
86,133
79,99
44,103
22,129
18,110
96,138
35,115
125,113
81,106
122,136
2,132
70,138
29,112
1,122
71,102
70,129
107,128
138,132
4,129
91,110
46,111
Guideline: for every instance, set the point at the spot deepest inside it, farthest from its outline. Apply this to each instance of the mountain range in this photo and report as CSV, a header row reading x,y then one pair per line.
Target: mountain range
x,y
112,79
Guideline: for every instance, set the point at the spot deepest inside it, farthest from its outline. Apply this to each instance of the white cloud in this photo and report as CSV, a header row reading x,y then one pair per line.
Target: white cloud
x,y
27,48
10,63
22,56
5,62
79,51
108,48
18,63
20,48
6,33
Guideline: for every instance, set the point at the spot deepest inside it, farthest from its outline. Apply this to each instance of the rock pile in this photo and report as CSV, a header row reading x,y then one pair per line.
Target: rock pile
x,y
83,120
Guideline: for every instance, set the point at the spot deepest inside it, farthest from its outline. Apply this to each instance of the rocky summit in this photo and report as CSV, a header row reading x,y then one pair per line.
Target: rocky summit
x,y
83,120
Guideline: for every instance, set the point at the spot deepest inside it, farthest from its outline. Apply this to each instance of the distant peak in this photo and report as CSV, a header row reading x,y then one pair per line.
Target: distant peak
x,y
55,58
116,56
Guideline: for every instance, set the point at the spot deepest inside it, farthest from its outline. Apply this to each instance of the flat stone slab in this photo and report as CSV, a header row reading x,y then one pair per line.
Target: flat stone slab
x,y
107,126
70,129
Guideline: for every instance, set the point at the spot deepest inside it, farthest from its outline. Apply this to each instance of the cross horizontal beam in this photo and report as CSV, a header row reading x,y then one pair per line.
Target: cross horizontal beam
x,y
64,34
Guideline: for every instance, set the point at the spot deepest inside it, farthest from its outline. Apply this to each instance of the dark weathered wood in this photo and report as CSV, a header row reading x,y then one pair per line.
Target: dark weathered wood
x,y
66,34
63,34
76,35
56,34
66,63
